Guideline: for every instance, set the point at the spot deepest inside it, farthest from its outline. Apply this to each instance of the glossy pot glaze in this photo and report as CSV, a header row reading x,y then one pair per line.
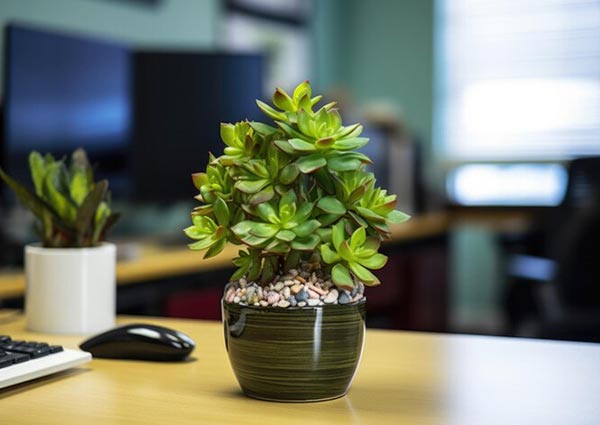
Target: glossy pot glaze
x,y
294,354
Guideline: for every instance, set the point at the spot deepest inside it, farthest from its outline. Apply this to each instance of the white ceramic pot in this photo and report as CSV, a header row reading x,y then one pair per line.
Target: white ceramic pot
x,y
70,290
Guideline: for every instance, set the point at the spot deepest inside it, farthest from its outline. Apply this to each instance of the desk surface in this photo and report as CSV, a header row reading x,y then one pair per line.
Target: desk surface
x,y
157,262
404,377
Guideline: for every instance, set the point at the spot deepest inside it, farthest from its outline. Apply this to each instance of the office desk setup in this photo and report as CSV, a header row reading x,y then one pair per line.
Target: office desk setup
x,y
404,377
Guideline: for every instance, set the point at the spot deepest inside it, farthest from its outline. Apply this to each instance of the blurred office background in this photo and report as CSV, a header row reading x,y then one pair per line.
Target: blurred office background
x,y
484,116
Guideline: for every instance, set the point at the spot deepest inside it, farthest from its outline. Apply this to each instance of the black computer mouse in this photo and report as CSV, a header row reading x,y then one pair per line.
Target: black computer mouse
x,y
140,342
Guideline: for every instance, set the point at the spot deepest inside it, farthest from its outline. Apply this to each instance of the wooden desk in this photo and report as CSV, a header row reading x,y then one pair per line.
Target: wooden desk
x,y
157,262
404,378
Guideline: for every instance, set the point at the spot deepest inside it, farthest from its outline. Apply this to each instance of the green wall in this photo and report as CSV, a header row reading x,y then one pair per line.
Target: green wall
x,y
179,23
379,50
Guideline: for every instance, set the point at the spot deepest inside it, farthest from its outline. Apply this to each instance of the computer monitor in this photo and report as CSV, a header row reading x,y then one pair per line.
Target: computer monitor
x,y
63,92
180,100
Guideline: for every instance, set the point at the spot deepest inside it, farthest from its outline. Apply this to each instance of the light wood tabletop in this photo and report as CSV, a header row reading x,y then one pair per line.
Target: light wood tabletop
x,y
155,261
404,378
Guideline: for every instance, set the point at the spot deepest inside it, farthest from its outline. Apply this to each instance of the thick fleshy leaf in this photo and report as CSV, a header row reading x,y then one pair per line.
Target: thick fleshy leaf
x,y
285,235
242,228
396,217
282,100
302,146
370,215
306,228
351,144
267,213
304,211
338,235
264,195
278,247
331,205
216,248
228,134
289,174
342,163
303,89
373,262
289,130
307,243
251,186
285,146
341,277
345,251
263,230
364,275
310,163
262,128
329,255
325,143
201,244
221,212
276,115
358,238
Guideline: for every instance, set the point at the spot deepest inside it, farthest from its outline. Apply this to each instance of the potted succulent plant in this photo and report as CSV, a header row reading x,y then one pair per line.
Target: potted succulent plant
x,y
70,275
310,219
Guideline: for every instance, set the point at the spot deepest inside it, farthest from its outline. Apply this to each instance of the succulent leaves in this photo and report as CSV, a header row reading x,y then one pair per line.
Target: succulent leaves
x,y
290,189
72,210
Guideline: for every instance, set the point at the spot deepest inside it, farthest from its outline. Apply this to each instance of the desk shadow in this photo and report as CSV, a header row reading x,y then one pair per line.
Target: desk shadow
x,y
39,382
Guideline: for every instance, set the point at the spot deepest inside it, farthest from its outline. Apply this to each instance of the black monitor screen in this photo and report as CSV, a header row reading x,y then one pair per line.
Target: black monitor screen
x,y
64,92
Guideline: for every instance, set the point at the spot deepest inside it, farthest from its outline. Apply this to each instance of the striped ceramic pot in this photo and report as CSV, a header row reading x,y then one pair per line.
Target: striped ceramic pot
x,y
297,354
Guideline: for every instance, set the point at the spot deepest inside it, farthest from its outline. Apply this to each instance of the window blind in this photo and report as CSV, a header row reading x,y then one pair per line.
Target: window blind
x,y
518,79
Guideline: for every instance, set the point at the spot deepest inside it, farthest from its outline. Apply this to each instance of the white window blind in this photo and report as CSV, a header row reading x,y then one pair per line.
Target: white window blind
x,y
518,79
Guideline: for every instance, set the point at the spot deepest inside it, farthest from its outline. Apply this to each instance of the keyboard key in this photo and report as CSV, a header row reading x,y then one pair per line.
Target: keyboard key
x,y
55,349
15,358
5,339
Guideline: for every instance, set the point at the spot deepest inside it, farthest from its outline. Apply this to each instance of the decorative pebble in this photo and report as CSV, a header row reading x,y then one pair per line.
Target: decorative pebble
x,y
302,296
331,296
308,285
344,298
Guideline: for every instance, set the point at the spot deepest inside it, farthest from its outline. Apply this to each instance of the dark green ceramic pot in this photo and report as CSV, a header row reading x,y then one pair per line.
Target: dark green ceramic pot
x,y
294,354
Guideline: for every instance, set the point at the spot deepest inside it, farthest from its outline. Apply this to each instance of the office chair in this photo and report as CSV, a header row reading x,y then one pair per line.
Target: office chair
x,y
570,303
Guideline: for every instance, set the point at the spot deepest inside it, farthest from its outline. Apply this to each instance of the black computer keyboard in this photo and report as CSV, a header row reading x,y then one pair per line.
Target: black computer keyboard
x,y
24,360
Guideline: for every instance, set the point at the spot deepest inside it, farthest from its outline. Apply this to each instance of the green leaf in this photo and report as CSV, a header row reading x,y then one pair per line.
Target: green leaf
x,y
264,195
302,146
29,199
358,238
351,144
303,89
269,269
267,213
343,163
338,235
283,101
263,230
285,146
325,143
228,134
306,228
310,163
37,165
289,130
221,212
289,173
262,128
307,243
251,186
199,179
276,115
370,215
397,217
341,277
303,212
288,199
374,262
364,275
216,248
329,255
87,210
291,260
78,187
201,244
285,235
346,252
331,205
63,206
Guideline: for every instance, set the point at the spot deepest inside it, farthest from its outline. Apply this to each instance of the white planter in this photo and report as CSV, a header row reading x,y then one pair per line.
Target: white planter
x,y
70,290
